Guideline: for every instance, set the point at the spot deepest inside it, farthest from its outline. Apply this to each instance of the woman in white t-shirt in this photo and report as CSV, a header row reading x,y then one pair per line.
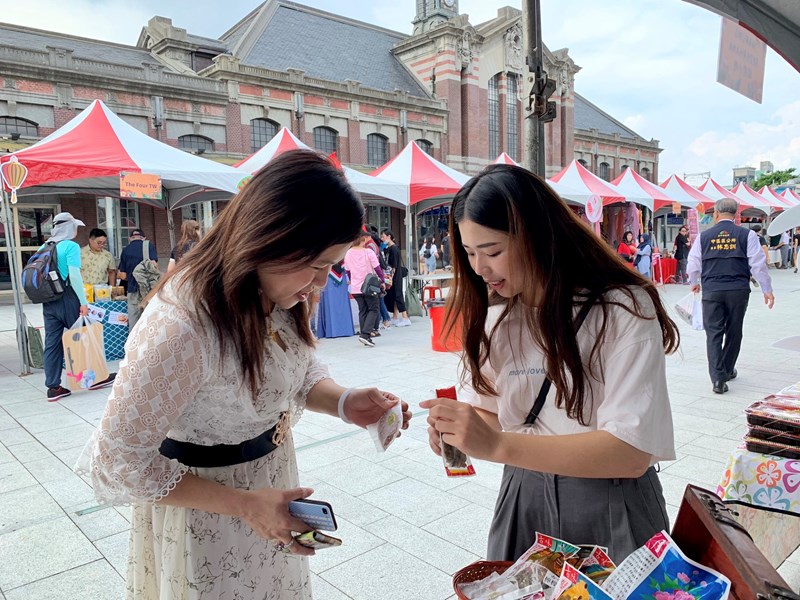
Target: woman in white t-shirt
x,y
581,468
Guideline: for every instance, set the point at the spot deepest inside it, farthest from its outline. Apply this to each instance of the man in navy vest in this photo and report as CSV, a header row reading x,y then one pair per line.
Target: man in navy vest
x,y
723,259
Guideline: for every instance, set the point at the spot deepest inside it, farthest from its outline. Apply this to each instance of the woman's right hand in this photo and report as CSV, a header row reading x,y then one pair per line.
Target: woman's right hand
x,y
267,512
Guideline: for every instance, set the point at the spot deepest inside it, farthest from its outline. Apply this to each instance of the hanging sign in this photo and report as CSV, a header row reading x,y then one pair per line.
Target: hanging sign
x,y
594,208
139,186
14,174
676,208
742,57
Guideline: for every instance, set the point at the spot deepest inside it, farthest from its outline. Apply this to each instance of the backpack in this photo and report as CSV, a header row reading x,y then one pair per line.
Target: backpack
x,y
426,254
146,273
40,277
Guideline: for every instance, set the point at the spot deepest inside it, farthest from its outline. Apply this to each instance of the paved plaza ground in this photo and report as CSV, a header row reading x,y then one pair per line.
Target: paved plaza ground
x,y
406,527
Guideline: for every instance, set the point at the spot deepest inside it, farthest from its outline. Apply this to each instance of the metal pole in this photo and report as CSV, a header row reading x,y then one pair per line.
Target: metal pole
x,y
22,331
533,156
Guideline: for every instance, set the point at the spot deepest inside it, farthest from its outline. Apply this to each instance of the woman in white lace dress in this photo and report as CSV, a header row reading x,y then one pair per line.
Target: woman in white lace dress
x,y
197,430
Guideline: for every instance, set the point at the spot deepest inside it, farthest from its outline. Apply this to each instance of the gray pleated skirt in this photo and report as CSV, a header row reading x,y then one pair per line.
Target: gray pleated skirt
x,y
621,514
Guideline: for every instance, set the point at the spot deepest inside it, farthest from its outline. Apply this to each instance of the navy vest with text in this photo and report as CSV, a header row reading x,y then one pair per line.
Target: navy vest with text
x,y
724,255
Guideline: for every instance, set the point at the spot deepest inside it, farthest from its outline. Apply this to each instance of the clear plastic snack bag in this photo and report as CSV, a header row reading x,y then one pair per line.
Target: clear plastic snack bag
x,y
456,463
384,431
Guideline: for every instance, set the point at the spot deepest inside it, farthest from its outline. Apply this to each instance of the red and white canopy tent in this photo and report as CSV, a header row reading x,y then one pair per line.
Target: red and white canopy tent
x,y
637,189
686,194
774,196
577,177
791,197
90,151
747,195
717,192
505,159
285,140
429,183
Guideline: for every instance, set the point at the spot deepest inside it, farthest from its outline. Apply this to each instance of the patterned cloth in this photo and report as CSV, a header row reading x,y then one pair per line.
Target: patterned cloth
x,y
173,382
96,265
762,481
114,336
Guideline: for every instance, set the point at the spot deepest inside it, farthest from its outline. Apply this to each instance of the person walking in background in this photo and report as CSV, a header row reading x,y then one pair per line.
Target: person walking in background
x,y
571,322
395,300
131,256
64,311
197,432
375,244
723,259
428,253
681,251
627,248
784,247
97,263
446,250
190,235
795,244
360,261
644,254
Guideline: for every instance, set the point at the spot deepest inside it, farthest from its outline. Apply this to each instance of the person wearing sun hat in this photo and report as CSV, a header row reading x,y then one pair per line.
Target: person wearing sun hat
x,y
61,313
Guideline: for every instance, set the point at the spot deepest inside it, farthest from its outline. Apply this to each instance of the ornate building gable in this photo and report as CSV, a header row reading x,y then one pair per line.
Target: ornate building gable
x,y
177,49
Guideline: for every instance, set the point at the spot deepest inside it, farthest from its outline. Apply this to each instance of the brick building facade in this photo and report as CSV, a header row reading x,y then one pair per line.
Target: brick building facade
x,y
455,88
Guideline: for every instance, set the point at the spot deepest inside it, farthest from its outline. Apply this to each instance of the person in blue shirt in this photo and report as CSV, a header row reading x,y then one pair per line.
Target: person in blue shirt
x,y
61,313
131,256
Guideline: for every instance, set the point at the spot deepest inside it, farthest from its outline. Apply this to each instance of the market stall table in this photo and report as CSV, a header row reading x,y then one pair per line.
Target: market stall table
x,y
664,270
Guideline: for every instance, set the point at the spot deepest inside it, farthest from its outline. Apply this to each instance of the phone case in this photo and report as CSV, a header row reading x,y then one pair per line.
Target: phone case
x,y
318,515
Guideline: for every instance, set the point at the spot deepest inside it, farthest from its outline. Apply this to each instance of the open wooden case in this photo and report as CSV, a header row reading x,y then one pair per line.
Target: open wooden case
x,y
707,532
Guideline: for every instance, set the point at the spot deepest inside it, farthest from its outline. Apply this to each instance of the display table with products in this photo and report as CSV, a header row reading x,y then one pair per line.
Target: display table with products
x,y
664,270
113,314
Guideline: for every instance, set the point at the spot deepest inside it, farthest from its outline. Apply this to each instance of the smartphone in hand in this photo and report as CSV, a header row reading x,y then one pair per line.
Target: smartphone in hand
x,y
316,514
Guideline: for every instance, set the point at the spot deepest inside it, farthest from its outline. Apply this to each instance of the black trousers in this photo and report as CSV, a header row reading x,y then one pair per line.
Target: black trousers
x,y
369,313
723,316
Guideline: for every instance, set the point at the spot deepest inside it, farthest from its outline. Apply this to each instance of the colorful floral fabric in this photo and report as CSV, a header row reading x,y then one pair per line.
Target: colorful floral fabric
x,y
762,481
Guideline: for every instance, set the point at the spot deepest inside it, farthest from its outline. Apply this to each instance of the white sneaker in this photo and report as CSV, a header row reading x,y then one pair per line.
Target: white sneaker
x,y
404,323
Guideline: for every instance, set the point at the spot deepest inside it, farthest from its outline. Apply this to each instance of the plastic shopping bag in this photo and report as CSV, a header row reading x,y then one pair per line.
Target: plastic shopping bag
x,y
690,309
83,354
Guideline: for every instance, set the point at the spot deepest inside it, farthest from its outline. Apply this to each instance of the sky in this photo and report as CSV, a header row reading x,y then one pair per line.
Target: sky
x,y
649,63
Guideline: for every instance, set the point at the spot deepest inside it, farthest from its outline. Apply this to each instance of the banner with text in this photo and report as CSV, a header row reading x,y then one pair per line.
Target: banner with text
x,y
741,60
139,186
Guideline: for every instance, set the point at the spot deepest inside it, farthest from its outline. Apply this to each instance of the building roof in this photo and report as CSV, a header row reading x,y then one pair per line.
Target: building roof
x,y
35,39
330,47
205,42
588,116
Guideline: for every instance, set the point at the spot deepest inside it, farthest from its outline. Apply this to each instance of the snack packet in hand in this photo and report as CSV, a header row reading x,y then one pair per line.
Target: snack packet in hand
x,y
456,463
387,428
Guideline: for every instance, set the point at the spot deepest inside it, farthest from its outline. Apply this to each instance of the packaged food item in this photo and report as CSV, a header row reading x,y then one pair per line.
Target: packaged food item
x,y
387,428
102,292
549,553
88,290
574,585
317,540
456,463
660,569
598,565
775,412
118,293
792,391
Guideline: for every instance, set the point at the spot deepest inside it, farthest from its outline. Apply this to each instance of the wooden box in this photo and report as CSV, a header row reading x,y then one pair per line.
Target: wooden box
x,y
706,531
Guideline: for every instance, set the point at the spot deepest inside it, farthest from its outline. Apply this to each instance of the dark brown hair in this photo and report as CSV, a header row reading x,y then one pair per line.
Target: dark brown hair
x,y
287,215
190,235
561,257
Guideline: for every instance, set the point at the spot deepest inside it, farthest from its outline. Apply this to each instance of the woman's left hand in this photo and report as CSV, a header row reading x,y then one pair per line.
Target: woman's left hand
x,y
364,406
464,428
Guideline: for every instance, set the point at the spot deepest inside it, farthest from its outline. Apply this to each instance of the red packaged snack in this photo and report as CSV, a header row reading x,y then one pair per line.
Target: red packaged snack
x,y
456,463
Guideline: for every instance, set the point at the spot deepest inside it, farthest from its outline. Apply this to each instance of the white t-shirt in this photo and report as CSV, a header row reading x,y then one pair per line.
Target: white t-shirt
x,y
630,399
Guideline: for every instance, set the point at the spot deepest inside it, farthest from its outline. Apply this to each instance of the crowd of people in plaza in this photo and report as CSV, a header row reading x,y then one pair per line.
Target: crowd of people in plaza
x,y
220,364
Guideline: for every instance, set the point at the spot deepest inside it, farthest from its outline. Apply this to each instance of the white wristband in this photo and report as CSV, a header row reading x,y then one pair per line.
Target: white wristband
x,y
342,400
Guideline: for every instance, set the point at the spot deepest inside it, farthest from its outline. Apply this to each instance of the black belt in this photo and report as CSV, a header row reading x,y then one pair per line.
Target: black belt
x,y
222,455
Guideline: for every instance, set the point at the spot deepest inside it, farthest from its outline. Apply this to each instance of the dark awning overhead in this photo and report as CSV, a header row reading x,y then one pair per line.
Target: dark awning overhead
x,y
777,22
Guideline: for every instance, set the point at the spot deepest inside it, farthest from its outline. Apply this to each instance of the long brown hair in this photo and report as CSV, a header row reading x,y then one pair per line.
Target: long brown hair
x,y
287,215
190,235
561,257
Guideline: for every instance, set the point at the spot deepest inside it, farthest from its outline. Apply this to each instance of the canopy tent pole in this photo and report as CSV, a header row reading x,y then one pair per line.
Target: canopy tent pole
x,y
22,331
409,239
170,221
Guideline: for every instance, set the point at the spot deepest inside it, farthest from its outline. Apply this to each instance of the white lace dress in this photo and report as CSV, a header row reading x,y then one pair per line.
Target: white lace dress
x,y
172,383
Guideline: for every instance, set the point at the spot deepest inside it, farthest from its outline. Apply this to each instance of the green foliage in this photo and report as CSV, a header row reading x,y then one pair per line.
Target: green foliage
x,y
774,178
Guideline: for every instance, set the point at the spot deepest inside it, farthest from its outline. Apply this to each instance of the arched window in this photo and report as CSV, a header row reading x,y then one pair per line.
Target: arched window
x,y
583,163
622,168
326,140
645,172
425,146
494,117
261,132
605,171
377,149
196,143
23,127
512,116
